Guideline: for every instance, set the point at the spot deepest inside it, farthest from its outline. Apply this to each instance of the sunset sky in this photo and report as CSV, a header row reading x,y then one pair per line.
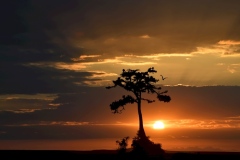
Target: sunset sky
x,y
57,57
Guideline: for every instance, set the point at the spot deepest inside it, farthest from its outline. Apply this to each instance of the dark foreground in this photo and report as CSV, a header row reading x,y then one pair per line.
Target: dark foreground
x,y
111,154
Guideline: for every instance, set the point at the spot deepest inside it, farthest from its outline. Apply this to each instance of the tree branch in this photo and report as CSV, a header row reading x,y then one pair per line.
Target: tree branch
x,y
118,106
148,100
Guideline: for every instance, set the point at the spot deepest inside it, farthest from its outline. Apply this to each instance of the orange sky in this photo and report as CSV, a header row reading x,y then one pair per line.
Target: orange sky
x,y
57,57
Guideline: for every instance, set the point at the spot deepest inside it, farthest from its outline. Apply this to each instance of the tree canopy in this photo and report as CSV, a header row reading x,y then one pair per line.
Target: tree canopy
x,y
137,82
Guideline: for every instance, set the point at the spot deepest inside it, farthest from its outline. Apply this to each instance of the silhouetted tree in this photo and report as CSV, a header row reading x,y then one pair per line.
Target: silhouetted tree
x,y
138,83
122,145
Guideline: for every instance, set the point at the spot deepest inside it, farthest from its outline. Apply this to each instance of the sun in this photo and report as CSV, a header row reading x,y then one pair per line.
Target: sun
x,y
158,125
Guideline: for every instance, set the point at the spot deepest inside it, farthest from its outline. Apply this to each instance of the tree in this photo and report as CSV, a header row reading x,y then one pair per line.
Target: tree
x,y
138,83
122,145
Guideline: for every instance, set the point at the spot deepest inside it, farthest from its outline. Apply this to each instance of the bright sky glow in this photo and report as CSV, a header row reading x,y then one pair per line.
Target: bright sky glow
x,y
158,125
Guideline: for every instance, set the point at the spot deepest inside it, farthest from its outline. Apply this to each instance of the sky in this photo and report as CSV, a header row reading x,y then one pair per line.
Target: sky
x,y
57,57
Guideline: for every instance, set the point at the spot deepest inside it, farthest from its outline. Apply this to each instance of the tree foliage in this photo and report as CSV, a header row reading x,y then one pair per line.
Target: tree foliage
x,y
138,83
122,144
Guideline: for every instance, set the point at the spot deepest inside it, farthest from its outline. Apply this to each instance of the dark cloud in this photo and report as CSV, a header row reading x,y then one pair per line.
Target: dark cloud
x,y
15,104
57,31
85,105
175,26
92,105
205,102
30,79
29,34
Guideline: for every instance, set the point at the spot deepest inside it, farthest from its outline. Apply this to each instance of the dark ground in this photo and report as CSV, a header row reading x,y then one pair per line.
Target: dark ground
x,y
112,154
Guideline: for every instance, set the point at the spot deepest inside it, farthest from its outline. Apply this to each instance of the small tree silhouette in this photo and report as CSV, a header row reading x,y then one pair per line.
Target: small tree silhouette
x,y
122,145
138,83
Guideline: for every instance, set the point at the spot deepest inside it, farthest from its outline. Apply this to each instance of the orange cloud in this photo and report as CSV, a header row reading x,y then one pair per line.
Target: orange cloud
x,y
146,36
229,42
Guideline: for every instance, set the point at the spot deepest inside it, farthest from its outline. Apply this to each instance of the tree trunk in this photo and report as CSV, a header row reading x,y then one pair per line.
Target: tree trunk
x,y
141,129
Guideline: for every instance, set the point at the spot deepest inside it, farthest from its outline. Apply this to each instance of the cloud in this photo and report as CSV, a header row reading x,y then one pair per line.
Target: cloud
x,y
21,111
81,35
237,117
68,29
63,30
23,103
137,63
229,42
83,113
145,36
91,104
223,48
83,57
204,124
39,79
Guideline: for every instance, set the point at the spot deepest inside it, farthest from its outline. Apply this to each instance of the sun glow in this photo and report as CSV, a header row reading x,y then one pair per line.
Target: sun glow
x,y
158,125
